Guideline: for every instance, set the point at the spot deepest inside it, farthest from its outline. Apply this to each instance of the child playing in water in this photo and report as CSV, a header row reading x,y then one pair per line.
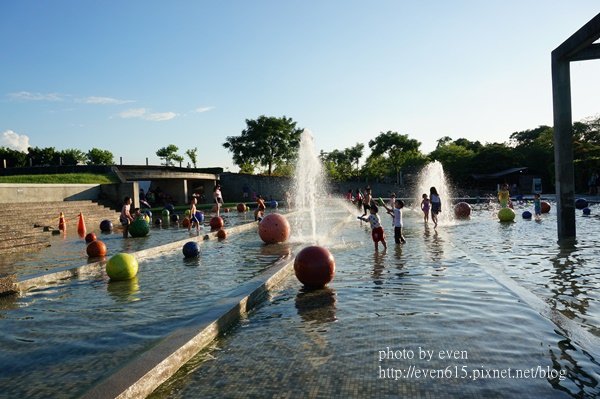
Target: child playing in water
x,y
436,205
537,206
396,212
126,217
193,219
259,213
366,202
504,196
425,204
377,232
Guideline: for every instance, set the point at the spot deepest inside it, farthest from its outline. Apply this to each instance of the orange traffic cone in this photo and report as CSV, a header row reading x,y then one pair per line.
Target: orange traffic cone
x,y
62,225
81,225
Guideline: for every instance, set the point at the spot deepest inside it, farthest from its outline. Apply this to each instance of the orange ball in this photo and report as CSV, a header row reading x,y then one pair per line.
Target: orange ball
x,y
185,222
90,237
314,266
221,234
96,249
274,228
241,207
462,210
545,207
216,223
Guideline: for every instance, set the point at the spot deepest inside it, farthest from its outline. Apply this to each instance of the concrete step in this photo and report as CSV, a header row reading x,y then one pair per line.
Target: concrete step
x,y
23,244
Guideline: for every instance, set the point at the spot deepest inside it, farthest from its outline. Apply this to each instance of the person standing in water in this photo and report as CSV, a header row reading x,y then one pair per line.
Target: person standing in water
x,y
436,205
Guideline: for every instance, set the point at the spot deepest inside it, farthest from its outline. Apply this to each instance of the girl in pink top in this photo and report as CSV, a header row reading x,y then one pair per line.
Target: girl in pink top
x,y
425,204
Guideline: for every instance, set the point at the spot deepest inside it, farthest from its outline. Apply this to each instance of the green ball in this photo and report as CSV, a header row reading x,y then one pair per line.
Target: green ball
x,y
139,228
506,215
122,267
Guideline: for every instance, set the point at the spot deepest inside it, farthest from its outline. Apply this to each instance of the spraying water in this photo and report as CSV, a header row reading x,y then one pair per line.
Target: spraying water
x,y
433,175
309,185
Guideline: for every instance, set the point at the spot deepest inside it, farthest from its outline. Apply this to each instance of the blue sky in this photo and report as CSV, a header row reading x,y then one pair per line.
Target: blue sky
x,y
134,76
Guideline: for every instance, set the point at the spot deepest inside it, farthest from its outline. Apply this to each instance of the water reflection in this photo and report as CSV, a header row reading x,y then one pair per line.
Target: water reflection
x,y
434,243
124,291
567,289
378,267
316,306
578,382
280,249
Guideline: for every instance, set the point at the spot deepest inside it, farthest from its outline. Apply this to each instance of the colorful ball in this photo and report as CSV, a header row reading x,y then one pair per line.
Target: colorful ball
x,y
506,215
166,212
187,212
274,228
148,212
139,228
216,223
174,218
170,208
200,216
106,226
587,211
191,249
157,221
96,249
241,207
526,215
581,203
186,222
314,266
122,266
545,207
462,210
90,237
221,234
273,204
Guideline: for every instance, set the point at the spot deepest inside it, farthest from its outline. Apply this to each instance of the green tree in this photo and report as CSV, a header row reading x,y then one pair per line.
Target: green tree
x,y
192,153
266,141
72,156
14,158
396,148
338,164
96,156
456,160
169,154
43,156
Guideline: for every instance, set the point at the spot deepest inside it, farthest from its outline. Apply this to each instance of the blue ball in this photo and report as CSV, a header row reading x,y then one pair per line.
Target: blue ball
x,y
587,211
106,226
174,218
148,212
581,203
273,204
191,249
200,216
170,208
157,221
526,215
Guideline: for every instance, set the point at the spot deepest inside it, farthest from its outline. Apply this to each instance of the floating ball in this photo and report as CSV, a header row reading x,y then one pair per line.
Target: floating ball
x,y
273,204
506,215
191,249
581,203
216,223
106,226
545,207
122,267
96,249
139,228
187,212
274,228
157,221
89,237
462,210
200,216
186,222
587,211
148,212
221,234
174,218
314,266
166,212
170,208
227,210
241,207
526,215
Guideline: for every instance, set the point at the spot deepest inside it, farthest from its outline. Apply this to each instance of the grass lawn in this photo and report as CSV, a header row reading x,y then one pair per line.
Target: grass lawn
x,y
66,178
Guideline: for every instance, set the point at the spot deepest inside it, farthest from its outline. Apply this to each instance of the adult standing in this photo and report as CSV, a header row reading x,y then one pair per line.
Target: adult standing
x,y
436,205
218,197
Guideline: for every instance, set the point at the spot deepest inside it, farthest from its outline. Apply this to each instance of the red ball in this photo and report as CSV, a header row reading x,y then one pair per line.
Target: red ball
x,y
185,222
462,210
96,249
90,237
274,228
221,234
242,207
545,207
314,266
216,223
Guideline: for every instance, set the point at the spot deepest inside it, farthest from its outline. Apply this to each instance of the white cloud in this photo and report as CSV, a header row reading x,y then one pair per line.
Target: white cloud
x,y
29,96
203,109
10,139
104,100
143,113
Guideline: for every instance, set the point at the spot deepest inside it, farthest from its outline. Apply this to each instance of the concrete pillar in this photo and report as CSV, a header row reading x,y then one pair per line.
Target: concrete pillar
x,y
563,148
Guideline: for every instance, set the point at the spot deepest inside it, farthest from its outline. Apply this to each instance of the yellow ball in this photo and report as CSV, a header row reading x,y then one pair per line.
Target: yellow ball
x,y
122,267
506,215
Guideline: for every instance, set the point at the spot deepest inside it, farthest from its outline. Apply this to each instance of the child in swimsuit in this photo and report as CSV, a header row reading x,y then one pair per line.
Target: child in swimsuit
x,y
425,204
